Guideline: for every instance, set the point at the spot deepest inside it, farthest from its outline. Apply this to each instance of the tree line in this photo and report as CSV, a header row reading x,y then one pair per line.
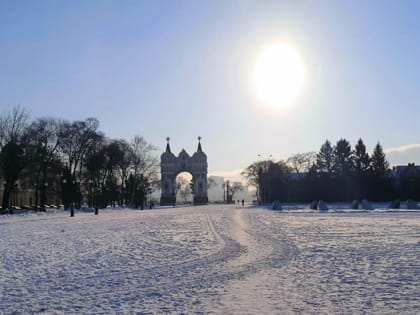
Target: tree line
x,y
335,173
71,158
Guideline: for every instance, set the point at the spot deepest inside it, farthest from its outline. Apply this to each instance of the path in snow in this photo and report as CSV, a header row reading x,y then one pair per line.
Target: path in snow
x,y
213,259
159,261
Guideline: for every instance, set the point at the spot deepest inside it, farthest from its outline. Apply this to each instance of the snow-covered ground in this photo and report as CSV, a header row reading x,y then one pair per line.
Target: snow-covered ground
x,y
211,259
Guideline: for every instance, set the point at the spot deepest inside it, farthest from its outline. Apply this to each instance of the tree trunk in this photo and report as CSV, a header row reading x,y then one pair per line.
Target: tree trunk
x,y
38,176
43,197
133,194
6,195
43,188
36,197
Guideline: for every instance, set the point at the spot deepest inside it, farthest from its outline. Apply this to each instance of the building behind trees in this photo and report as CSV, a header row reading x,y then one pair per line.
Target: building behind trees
x,y
336,173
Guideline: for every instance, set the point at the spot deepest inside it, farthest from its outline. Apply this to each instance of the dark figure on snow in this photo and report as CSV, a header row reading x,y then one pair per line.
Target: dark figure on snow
x,y
243,202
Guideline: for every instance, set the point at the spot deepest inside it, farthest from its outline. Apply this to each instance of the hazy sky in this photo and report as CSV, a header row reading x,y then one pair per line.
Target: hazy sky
x,y
182,69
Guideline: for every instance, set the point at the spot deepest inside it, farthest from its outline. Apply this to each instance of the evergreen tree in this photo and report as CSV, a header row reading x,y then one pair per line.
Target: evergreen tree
x,y
324,159
379,164
361,159
278,179
343,158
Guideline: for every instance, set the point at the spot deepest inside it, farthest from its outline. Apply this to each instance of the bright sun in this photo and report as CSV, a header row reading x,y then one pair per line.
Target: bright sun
x,y
278,75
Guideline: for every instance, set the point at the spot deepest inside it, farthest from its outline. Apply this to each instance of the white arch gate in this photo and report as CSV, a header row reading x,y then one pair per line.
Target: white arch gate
x,y
171,166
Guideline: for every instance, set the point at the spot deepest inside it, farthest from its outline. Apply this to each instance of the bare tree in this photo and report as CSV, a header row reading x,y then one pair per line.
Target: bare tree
x,y
76,139
256,176
43,151
230,189
119,152
182,187
211,183
144,167
301,162
12,149
144,160
12,125
236,187
96,172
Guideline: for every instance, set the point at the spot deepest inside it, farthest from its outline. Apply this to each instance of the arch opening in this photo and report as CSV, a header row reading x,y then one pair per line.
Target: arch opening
x,y
183,188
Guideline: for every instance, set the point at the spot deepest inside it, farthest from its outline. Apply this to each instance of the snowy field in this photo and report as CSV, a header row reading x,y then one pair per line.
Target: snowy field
x,y
211,260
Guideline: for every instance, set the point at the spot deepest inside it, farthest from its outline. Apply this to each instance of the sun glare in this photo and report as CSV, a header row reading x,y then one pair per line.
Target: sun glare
x,y
278,75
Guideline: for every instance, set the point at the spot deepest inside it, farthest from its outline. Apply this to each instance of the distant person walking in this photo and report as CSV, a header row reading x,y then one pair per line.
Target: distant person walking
x,y
243,202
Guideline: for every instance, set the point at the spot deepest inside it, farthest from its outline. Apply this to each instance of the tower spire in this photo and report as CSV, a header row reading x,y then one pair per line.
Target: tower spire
x,y
168,148
199,145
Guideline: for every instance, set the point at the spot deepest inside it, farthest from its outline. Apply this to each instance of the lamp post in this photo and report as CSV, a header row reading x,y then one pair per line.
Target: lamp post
x,y
44,196
16,189
140,191
227,198
71,209
77,195
13,196
64,192
150,195
93,199
6,206
36,198
68,195
90,199
3,210
72,193
97,194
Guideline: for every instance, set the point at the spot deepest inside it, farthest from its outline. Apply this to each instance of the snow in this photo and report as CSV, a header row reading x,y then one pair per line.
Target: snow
x,y
216,259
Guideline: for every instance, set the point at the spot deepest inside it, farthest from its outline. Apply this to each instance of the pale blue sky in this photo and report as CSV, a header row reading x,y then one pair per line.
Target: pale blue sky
x,y
182,69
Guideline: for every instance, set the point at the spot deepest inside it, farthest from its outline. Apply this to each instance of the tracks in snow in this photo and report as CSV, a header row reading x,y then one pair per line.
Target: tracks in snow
x,y
238,250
